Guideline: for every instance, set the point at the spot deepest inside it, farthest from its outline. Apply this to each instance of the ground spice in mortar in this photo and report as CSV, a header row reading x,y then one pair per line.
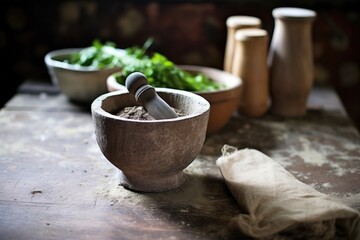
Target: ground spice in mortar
x,y
140,113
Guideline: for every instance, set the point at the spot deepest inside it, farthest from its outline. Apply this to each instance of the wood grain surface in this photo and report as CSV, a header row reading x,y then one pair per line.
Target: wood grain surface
x,y
56,184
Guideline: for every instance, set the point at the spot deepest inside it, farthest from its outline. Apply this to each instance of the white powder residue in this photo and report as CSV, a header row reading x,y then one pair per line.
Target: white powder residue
x,y
339,171
300,175
315,155
310,155
326,185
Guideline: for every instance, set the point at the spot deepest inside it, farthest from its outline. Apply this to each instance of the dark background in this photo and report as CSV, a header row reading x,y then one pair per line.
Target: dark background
x,y
187,32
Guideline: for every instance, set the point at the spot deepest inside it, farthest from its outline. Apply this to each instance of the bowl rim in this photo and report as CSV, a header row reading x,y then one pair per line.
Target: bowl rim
x,y
96,106
51,62
238,82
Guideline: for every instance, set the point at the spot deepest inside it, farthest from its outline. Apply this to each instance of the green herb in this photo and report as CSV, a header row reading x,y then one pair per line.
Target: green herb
x,y
95,56
160,71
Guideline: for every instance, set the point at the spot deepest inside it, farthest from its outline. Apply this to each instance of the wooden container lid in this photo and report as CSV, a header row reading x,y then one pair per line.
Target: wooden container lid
x,y
293,13
240,21
250,33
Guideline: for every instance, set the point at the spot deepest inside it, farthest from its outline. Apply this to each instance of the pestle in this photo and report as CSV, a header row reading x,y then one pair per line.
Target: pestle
x,y
146,95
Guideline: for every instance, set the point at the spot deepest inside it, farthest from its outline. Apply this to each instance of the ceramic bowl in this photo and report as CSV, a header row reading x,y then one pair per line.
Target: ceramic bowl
x,y
223,102
80,84
151,154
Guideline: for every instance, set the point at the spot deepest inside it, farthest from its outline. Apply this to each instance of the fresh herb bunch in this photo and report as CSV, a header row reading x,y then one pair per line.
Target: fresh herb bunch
x,y
95,56
160,71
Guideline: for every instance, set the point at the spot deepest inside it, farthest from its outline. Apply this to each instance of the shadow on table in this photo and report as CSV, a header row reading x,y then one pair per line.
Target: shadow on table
x,y
202,207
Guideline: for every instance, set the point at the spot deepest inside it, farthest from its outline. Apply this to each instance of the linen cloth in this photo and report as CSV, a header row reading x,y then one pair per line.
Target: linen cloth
x,y
277,205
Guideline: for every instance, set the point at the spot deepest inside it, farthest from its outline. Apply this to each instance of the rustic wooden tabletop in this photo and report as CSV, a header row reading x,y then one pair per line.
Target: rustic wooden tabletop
x,y
56,184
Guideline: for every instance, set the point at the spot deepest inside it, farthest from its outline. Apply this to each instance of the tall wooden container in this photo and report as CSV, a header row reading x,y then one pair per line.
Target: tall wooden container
x,y
250,64
291,61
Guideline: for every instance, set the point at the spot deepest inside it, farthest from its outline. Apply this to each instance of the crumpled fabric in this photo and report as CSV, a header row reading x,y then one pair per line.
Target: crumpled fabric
x,y
276,205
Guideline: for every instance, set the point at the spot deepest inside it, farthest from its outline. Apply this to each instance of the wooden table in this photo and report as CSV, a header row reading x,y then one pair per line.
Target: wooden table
x,y
56,184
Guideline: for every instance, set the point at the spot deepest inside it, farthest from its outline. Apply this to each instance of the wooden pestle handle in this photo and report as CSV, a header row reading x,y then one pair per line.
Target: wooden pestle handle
x,y
146,95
